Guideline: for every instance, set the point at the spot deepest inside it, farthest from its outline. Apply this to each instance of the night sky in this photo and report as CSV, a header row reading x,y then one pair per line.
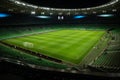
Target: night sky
x,y
67,4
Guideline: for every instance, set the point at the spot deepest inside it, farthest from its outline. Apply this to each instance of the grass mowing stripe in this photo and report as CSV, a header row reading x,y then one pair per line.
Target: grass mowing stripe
x,y
67,45
85,42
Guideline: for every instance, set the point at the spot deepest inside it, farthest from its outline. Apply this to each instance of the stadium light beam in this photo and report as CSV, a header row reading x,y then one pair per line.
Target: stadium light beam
x,y
105,15
43,17
79,17
3,15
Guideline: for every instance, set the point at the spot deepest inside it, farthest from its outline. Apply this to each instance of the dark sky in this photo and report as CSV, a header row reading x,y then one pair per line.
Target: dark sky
x,y
67,3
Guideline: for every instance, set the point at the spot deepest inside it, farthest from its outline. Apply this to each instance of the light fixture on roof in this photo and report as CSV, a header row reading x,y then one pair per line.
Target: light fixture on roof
x,y
51,13
23,4
17,2
60,13
79,16
68,13
44,17
33,12
104,11
88,8
105,15
3,15
42,12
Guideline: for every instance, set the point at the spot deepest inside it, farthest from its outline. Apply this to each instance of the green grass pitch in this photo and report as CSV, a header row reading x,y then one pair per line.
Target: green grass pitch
x,y
67,45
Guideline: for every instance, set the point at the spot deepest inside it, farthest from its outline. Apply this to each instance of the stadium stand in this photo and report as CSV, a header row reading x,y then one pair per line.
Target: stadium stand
x,y
109,60
21,58
17,31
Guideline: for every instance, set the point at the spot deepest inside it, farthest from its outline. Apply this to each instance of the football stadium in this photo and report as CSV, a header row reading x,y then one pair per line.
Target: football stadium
x,y
52,40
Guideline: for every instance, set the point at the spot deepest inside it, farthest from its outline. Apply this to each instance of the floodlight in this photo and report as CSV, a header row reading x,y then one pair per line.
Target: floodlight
x,y
44,17
105,15
79,17
2,15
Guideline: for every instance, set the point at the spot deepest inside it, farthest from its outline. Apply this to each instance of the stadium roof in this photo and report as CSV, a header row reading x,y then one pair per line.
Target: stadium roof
x,y
20,6
71,4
